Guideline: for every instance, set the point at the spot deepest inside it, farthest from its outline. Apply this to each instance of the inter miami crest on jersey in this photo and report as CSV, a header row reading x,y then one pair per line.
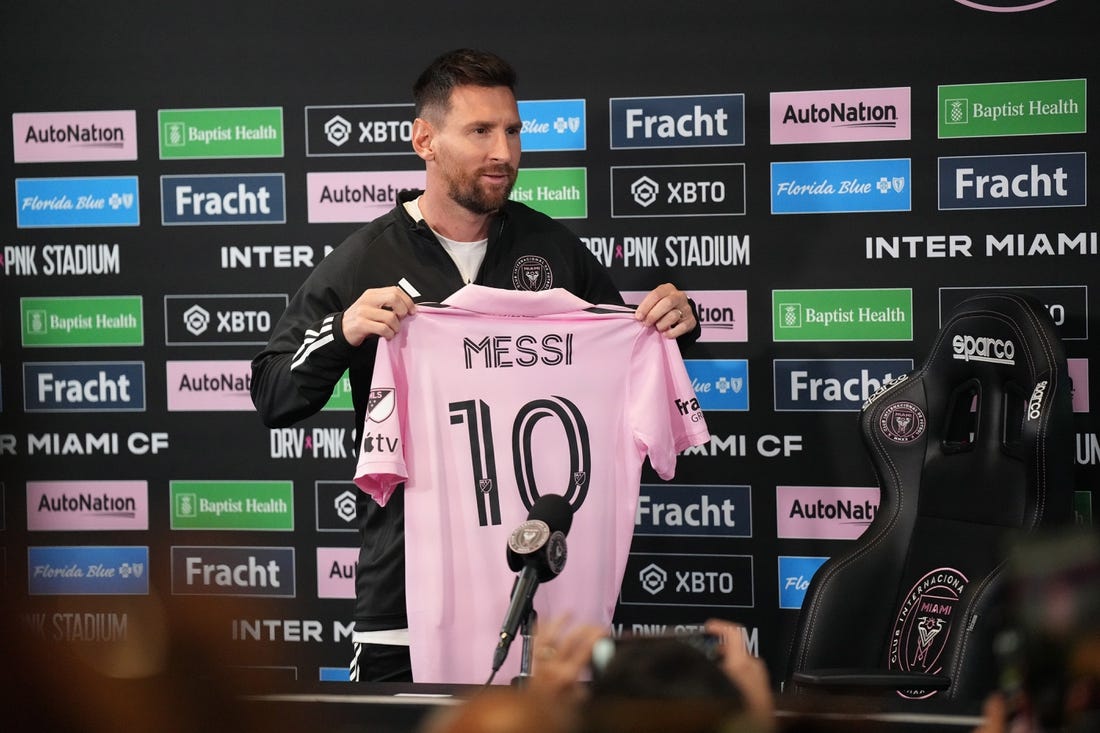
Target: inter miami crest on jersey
x,y
532,272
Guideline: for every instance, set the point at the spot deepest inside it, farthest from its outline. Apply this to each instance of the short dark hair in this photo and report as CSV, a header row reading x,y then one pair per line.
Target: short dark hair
x,y
463,66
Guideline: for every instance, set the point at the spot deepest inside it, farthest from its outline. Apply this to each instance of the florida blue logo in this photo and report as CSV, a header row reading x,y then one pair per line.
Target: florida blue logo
x,y
252,198
720,384
87,571
552,124
841,186
77,202
795,574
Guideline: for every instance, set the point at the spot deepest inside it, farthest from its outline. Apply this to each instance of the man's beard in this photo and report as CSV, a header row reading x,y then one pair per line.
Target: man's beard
x,y
468,192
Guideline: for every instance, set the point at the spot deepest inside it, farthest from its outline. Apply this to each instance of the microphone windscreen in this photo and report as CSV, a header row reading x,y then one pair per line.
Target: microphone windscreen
x,y
554,510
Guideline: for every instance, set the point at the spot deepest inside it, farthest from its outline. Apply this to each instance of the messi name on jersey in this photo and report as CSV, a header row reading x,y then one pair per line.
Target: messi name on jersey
x,y
496,352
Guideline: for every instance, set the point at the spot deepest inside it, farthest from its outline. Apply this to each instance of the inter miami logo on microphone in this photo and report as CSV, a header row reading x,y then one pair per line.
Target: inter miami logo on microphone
x,y
532,272
532,536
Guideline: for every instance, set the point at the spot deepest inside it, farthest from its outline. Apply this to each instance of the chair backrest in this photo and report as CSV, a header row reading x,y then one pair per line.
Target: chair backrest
x,y
971,449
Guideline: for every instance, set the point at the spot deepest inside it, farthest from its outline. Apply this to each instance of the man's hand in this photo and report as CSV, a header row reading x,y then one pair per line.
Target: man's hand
x,y
666,308
561,657
746,671
377,312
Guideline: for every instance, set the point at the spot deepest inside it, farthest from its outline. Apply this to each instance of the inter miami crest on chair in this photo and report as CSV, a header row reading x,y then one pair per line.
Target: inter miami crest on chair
x,y
971,450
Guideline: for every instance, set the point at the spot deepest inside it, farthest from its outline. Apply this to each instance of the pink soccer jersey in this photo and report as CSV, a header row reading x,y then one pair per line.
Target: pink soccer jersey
x,y
489,401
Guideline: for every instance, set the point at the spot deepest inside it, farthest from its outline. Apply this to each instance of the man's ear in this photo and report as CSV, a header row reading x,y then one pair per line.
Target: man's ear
x,y
423,135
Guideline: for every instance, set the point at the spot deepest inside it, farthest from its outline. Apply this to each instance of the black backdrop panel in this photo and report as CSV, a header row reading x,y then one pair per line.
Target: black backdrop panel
x,y
875,204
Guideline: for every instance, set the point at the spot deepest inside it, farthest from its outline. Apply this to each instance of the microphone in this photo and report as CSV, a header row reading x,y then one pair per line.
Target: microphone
x,y
537,551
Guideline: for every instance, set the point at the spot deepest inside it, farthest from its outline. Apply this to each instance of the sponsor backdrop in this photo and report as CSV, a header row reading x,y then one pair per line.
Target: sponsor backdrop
x,y
825,196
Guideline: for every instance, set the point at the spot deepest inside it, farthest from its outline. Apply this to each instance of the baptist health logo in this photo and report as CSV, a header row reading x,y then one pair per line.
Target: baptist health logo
x,y
248,132
841,186
552,124
1049,107
843,315
83,321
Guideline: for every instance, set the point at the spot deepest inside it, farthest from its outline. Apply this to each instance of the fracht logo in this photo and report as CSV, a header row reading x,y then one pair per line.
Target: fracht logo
x,y
712,120
250,198
1041,180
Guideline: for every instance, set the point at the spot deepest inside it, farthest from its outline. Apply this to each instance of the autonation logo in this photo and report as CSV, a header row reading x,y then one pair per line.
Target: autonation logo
x,y
60,506
62,137
841,186
712,120
1012,181
842,115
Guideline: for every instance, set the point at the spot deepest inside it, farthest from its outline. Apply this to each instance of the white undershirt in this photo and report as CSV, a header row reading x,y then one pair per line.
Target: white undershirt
x,y
467,256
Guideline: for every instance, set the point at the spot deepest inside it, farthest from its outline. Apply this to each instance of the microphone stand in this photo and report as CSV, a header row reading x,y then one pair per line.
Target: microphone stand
x,y
526,630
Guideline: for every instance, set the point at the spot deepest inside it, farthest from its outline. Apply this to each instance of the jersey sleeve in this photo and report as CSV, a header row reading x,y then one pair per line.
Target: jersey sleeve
x,y
293,377
664,412
381,464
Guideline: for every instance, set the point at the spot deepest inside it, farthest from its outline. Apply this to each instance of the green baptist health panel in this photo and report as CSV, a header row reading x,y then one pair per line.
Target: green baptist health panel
x,y
94,320
232,132
884,314
1055,107
259,505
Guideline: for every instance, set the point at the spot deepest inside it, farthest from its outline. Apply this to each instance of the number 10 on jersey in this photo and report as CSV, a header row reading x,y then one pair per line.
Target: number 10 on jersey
x,y
477,416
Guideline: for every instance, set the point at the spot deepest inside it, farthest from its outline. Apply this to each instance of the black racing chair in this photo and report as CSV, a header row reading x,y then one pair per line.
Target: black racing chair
x,y
971,450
